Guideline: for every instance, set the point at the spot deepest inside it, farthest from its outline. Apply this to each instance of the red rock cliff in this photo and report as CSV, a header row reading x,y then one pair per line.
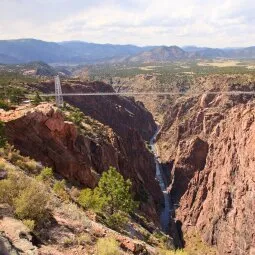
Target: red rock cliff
x,y
219,200
42,133
210,141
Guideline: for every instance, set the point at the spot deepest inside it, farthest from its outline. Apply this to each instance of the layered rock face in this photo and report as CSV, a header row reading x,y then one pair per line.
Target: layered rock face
x,y
219,200
43,134
209,140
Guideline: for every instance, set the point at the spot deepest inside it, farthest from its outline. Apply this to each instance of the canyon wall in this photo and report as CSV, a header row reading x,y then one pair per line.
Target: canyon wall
x,y
123,127
210,143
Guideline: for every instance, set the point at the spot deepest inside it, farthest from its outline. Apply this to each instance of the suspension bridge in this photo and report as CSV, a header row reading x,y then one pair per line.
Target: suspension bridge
x,y
59,95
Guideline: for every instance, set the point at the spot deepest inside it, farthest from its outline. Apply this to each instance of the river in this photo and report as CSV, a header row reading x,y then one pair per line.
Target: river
x,y
165,213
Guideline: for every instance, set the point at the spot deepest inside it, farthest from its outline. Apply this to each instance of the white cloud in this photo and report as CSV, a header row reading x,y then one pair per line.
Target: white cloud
x,y
216,23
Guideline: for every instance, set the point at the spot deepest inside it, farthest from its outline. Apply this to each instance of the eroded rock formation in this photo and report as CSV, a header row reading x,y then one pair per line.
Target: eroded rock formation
x,y
211,142
43,134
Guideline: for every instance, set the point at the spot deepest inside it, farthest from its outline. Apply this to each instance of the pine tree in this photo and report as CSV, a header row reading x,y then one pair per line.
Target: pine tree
x,y
112,194
116,192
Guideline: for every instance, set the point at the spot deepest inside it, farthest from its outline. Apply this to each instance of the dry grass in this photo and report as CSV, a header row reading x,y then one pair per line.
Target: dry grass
x,y
148,68
171,252
195,245
224,63
250,67
107,246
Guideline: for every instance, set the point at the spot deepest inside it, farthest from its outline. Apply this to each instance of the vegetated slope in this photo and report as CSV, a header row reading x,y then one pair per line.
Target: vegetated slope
x,y
6,59
205,52
248,53
94,51
32,69
125,124
28,50
39,215
160,54
209,142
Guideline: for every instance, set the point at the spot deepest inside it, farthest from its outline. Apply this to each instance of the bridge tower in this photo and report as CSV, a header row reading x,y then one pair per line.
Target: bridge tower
x,y
58,92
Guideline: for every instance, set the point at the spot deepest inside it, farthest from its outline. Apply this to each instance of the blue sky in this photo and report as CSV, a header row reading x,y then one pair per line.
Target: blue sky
x,y
218,23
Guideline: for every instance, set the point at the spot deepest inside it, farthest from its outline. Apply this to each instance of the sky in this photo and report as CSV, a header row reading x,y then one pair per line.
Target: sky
x,y
214,23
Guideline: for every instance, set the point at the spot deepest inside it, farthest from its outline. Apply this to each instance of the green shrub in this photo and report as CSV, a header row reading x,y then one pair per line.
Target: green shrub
x,y
7,191
15,95
67,242
59,189
86,199
32,202
116,221
28,198
74,114
11,187
30,224
12,154
59,186
4,105
46,174
107,246
27,164
84,238
116,192
111,196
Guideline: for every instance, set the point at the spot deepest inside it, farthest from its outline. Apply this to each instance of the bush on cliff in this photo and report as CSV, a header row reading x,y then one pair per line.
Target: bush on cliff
x,y
60,189
4,105
116,192
112,199
112,194
107,246
15,94
27,196
116,221
31,202
90,199
46,174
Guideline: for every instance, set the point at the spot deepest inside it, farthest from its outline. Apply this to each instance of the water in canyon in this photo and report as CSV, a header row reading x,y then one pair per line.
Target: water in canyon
x,y
166,211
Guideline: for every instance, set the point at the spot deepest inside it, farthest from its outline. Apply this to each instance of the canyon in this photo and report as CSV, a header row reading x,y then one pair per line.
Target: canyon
x,y
203,151
121,127
206,150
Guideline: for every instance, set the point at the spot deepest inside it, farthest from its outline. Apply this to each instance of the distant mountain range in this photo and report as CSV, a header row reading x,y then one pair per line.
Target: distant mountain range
x,y
77,52
160,54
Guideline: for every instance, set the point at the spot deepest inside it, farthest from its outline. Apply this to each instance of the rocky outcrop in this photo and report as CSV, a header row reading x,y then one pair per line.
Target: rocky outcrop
x,y
210,140
15,237
69,231
43,134
190,159
220,199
